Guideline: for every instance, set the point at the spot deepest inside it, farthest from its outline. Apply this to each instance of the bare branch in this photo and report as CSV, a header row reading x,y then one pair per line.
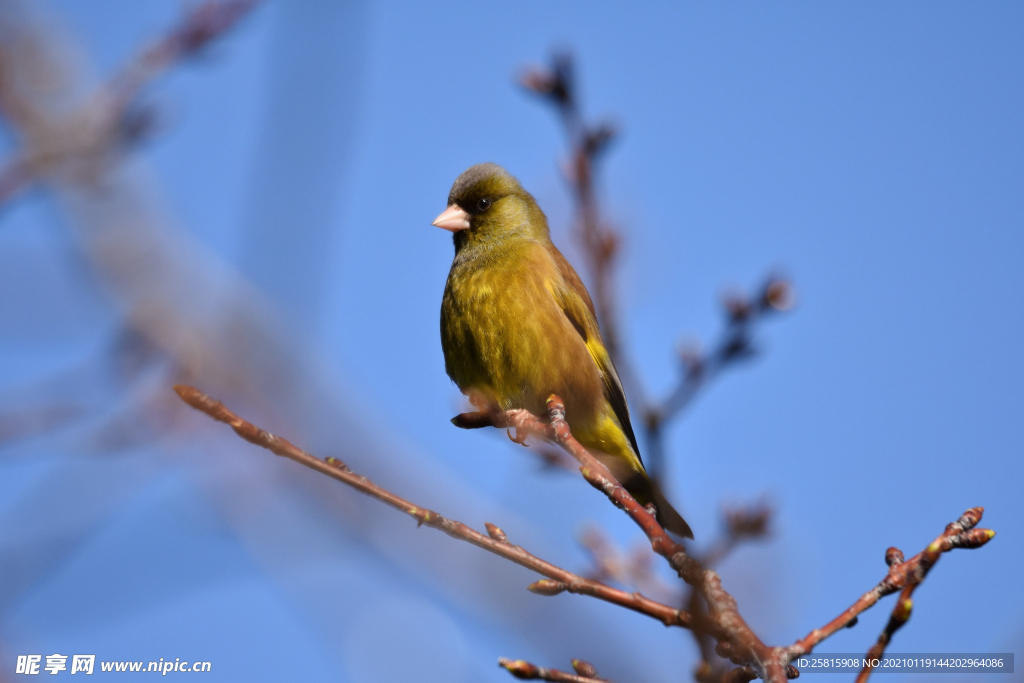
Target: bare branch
x,y
495,541
902,576
735,344
15,176
722,621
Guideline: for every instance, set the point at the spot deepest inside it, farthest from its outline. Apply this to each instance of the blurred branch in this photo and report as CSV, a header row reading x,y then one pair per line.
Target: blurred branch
x,y
198,28
15,175
27,422
601,242
79,144
735,344
495,541
742,523
633,569
585,671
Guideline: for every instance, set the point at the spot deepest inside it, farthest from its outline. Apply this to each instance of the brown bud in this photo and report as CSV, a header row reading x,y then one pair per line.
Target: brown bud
x,y
703,672
519,668
496,533
585,669
540,81
737,306
852,622
546,587
893,556
792,672
778,295
749,522
692,359
975,538
724,649
554,83
596,140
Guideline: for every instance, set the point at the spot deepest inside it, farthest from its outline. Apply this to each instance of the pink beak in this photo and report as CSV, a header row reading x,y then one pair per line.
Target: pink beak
x,y
453,218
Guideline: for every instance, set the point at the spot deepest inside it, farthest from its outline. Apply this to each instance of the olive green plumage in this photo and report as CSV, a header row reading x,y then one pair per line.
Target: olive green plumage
x,y
517,325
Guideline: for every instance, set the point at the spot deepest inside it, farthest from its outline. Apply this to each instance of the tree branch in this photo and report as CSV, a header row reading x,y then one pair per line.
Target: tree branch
x,y
495,541
741,524
736,641
904,577
735,344
585,672
724,622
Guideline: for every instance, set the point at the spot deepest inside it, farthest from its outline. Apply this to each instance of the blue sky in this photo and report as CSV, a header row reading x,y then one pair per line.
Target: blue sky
x,y
872,152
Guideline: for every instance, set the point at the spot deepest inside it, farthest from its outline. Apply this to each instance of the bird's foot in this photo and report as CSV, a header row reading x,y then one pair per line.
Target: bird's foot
x,y
518,438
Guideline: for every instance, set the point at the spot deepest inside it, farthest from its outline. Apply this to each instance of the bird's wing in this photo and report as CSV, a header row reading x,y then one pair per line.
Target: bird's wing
x,y
579,309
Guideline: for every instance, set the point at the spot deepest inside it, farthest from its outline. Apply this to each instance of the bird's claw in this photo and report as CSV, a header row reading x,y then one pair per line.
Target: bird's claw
x,y
519,439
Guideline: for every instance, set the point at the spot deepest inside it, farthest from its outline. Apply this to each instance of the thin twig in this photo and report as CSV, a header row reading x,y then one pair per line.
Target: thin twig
x,y
495,541
735,344
903,576
585,672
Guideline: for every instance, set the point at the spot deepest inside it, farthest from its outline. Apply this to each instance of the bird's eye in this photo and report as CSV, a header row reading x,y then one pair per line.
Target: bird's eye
x,y
483,204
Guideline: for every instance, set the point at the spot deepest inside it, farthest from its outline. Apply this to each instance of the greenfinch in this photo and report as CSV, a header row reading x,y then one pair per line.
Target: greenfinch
x,y
517,325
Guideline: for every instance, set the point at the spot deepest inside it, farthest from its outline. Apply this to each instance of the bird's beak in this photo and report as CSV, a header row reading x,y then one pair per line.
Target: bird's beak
x,y
453,218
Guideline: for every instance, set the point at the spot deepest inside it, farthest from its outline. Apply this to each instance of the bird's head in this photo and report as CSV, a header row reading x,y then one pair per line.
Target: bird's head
x,y
487,202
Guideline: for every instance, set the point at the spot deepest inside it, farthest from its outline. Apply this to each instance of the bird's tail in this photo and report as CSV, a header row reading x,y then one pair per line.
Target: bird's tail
x,y
666,514
646,491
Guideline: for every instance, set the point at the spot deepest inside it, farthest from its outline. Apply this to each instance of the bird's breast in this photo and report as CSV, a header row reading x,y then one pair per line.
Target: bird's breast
x,y
504,334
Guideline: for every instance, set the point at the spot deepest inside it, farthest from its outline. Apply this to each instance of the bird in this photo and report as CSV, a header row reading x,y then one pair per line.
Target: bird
x,y
517,325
